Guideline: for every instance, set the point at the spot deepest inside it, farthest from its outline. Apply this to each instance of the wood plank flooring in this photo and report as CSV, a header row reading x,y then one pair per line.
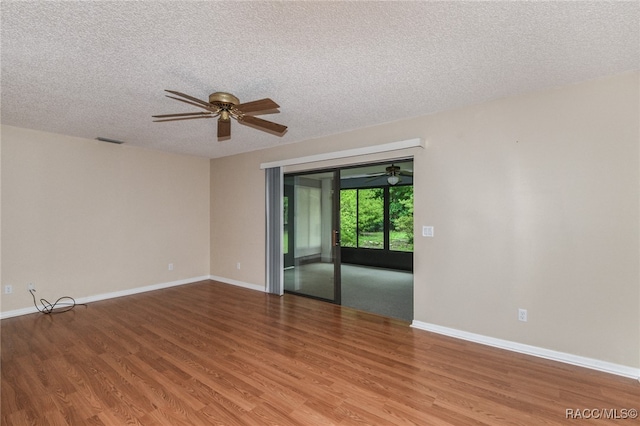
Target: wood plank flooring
x,y
214,354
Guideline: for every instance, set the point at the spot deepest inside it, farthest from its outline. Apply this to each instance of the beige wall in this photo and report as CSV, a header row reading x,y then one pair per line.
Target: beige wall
x,y
535,205
238,220
83,218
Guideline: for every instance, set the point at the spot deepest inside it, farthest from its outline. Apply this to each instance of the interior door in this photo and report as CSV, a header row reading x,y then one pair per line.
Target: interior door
x,y
312,261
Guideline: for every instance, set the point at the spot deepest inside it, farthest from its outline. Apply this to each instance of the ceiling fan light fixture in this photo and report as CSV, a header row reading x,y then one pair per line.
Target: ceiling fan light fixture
x,y
393,180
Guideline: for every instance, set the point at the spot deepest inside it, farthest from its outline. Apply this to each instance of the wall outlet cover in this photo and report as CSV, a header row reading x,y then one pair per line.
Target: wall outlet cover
x,y
522,315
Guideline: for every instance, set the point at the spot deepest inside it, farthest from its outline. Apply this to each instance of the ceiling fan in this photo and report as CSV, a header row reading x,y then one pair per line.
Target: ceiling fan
x,y
226,106
393,174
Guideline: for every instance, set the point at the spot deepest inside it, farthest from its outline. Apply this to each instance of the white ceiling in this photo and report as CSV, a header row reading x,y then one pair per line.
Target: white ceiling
x,y
96,68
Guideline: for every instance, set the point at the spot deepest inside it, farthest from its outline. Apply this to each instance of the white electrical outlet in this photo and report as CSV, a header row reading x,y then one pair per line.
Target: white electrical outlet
x,y
238,265
31,286
8,289
522,315
171,266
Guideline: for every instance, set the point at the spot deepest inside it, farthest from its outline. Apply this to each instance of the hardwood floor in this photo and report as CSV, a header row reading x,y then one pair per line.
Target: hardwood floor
x,y
210,353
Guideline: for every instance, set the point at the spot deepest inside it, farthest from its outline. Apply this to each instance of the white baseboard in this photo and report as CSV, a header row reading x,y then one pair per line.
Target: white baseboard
x,y
250,286
18,312
112,295
594,364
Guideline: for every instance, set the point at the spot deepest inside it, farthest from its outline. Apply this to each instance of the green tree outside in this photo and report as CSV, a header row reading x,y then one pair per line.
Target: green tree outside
x,y
401,216
362,218
348,218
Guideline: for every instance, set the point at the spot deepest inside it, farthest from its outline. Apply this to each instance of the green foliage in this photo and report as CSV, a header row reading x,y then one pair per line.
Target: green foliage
x,y
370,210
348,218
404,224
362,217
401,210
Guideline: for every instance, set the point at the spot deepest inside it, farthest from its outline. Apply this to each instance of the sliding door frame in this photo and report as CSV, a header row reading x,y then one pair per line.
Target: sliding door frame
x,y
335,230
355,153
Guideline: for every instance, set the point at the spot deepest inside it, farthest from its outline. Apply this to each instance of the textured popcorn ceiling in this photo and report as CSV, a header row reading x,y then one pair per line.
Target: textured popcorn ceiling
x,y
96,68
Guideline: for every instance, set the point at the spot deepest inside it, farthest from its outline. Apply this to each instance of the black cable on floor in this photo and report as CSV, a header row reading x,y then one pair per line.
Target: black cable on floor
x,y
48,308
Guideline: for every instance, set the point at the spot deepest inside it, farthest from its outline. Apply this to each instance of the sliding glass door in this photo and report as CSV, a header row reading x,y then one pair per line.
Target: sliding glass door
x,y
310,236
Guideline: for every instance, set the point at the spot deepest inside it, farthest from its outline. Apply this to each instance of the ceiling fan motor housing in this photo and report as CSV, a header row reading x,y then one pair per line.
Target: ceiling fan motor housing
x,y
224,101
222,98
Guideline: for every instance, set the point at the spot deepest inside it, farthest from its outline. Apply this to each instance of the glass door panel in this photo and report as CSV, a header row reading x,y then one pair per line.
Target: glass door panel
x,y
313,255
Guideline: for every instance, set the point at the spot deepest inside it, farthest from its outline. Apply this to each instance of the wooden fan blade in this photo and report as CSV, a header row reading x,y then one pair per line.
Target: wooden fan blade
x,y
262,124
211,108
191,98
185,118
185,114
255,106
224,128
